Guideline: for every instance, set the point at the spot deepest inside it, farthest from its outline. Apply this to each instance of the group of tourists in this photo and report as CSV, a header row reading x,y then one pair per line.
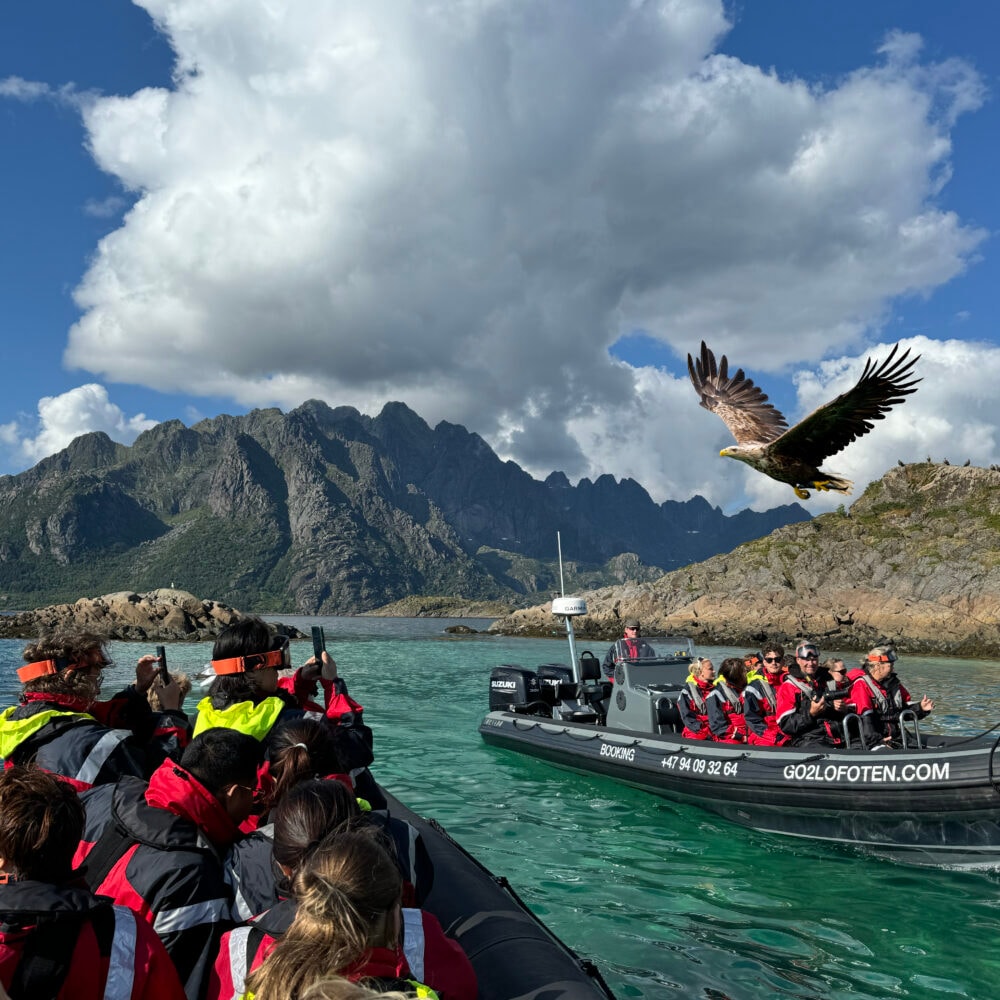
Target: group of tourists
x,y
243,855
768,698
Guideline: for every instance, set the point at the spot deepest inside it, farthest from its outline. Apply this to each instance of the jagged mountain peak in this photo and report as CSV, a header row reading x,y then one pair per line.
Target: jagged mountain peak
x,y
325,509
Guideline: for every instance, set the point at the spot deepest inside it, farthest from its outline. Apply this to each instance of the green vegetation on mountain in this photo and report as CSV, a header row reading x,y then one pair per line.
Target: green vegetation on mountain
x,y
329,511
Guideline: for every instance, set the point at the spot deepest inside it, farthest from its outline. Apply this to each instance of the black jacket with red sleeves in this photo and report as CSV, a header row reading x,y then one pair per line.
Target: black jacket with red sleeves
x,y
157,849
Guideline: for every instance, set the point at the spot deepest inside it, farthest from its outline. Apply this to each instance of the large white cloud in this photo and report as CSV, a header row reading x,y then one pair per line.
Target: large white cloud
x,y
465,205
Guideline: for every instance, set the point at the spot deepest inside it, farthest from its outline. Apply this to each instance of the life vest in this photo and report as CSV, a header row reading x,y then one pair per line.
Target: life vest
x,y
14,733
243,716
731,696
49,964
888,708
765,693
697,696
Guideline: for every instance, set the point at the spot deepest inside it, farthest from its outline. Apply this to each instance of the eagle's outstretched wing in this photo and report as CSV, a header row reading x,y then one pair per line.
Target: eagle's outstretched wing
x,y
836,424
742,406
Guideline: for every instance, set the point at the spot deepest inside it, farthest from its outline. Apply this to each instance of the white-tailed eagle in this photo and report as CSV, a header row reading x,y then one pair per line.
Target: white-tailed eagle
x,y
794,455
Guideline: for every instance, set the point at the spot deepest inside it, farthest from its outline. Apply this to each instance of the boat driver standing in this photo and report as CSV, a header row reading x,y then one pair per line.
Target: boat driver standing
x,y
805,714
629,647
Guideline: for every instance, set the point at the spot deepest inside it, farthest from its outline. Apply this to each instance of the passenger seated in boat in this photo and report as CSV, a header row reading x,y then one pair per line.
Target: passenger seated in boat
x,y
343,918
724,705
691,702
631,646
158,847
878,697
61,726
833,669
245,696
760,699
300,753
58,941
805,713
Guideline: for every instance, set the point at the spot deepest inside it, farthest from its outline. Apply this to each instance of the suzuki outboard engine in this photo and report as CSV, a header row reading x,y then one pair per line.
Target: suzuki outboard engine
x,y
513,688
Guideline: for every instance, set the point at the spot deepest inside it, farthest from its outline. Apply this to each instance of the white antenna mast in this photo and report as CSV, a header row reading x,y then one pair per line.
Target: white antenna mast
x,y
568,607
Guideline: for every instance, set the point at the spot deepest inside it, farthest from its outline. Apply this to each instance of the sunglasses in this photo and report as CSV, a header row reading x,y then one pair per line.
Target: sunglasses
x,y
808,656
772,659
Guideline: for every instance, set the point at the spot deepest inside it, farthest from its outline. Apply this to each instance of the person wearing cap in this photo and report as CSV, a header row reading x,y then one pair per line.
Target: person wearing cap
x,y
804,713
878,697
61,726
631,646
760,699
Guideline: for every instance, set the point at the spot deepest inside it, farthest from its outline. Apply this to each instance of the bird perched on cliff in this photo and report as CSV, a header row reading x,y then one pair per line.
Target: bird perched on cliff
x,y
793,455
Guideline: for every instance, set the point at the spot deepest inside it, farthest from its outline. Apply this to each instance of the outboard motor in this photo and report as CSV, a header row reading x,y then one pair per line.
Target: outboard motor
x,y
513,688
556,682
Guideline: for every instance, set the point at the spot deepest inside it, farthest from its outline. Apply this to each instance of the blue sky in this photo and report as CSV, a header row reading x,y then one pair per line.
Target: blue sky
x,y
519,218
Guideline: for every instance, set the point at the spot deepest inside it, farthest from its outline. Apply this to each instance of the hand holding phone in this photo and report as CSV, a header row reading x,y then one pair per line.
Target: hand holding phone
x,y
319,643
161,654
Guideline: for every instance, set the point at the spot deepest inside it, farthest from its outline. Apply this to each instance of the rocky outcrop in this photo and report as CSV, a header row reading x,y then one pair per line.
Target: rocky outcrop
x,y
163,615
916,560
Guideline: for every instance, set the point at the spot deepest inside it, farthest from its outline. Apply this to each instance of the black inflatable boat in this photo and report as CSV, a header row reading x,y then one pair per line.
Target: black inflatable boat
x,y
516,957
935,801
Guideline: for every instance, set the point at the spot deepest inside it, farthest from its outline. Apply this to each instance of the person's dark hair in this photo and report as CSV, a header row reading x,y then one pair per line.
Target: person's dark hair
x,y
69,643
243,638
306,814
302,749
734,672
222,757
41,823
775,648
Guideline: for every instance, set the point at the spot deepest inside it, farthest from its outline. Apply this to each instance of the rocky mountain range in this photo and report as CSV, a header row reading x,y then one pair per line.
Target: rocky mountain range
x,y
914,560
326,510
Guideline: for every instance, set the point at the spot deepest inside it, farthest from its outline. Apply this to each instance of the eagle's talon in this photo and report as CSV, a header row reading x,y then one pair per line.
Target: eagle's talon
x,y
800,493
823,485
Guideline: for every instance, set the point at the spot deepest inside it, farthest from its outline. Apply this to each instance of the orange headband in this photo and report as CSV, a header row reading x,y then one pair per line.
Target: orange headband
x,y
42,668
245,664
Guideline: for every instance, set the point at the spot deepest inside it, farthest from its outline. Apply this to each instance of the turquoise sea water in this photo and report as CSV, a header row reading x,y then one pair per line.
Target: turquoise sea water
x,y
668,900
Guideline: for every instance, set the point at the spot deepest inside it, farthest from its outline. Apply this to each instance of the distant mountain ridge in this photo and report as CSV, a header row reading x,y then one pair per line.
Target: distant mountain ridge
x,y
326,510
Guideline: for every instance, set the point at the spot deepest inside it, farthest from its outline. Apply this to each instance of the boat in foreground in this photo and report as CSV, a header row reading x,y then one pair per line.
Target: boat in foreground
x,y
935,801
515,955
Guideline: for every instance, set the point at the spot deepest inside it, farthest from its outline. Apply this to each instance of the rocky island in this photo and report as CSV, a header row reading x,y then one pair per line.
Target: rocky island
x,y
915,560
162,615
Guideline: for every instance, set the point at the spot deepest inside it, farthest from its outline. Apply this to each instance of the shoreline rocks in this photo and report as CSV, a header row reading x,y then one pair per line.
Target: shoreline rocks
x,y
163,615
